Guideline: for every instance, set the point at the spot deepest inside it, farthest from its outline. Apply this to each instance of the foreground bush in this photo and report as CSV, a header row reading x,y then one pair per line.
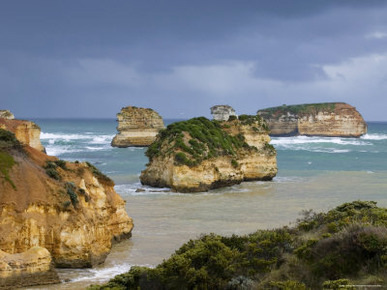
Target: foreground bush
x,y
345,246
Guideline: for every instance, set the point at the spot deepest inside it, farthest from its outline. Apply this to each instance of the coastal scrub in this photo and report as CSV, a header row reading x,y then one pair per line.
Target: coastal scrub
x,y
192,141
8,143
310,255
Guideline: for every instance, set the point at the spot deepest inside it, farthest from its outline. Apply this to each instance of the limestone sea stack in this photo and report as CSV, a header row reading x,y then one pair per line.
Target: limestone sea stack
x,y
6,114
27,132
198,154
69,208
137,127
321,119
222,112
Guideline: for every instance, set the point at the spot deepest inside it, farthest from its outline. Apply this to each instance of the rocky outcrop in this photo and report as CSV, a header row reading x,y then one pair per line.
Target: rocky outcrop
x,y
33,267
27,132
222,112
69,208
324,119
6,114
199,155
137,127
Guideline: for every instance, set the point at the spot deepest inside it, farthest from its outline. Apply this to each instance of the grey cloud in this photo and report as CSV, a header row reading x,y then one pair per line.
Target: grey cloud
x,y
103,55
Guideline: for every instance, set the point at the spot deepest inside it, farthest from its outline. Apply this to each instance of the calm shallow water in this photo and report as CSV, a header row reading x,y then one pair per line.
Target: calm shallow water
x,y
314,173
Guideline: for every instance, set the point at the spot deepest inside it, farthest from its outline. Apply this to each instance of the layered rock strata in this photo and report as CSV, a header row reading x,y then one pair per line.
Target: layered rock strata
x,y
323,119
222,112
137,127
69,208
199,155
33,267
27,132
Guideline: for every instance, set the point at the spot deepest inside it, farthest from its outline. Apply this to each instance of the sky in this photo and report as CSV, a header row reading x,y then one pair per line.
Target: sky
x,y
90,58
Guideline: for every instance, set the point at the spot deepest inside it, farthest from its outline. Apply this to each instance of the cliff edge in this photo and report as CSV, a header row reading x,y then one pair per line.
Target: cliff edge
x,y
199,154
322,119
137,127
27,132
68,208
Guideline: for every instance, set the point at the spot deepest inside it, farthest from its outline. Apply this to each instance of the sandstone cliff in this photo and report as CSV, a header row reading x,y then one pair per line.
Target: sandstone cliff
x,y
71,209
27,132
33,267
325,119
199,155
137,127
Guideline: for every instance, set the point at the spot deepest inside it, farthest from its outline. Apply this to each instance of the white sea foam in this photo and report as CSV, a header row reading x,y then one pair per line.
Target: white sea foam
x,y
98,148
289,141
332,145
103,274
102,139
60,150
374,137
137,188
288,179
59,136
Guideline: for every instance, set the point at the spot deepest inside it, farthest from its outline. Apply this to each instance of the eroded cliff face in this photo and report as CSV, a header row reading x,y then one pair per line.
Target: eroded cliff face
x,y
137,127
251,159
27,132
71,209
33,267
326,119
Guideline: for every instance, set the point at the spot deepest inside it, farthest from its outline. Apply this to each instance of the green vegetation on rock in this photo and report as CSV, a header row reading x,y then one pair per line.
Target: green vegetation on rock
x,y
192,141
311,255
8,140
6,163
8,143
300,109
99,175
71,188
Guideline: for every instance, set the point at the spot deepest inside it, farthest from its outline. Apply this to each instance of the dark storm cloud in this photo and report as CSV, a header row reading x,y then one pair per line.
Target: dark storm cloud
x,y
183,56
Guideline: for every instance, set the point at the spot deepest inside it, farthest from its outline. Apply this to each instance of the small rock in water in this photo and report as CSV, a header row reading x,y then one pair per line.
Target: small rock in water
x,y
140,190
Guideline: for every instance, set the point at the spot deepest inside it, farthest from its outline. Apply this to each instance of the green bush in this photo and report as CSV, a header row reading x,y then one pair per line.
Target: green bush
x,y
70,187
302,257
337,284
51,172
8,140
61,164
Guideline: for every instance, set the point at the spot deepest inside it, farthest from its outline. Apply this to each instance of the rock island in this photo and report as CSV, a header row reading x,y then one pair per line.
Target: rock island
x,y
198,154
321,119
137,127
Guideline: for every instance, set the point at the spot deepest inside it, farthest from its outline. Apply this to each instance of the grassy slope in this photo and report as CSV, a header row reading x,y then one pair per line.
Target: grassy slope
x,y
299,109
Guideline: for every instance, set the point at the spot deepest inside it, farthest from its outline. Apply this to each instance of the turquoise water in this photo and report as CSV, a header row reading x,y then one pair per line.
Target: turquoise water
x,y
314,173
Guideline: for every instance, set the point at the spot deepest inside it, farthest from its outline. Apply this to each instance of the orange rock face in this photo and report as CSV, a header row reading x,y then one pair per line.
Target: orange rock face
x,y
27,132
71,209
325,119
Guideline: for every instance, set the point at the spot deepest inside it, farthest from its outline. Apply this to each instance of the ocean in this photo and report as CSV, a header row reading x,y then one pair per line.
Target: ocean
x,y
316,173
